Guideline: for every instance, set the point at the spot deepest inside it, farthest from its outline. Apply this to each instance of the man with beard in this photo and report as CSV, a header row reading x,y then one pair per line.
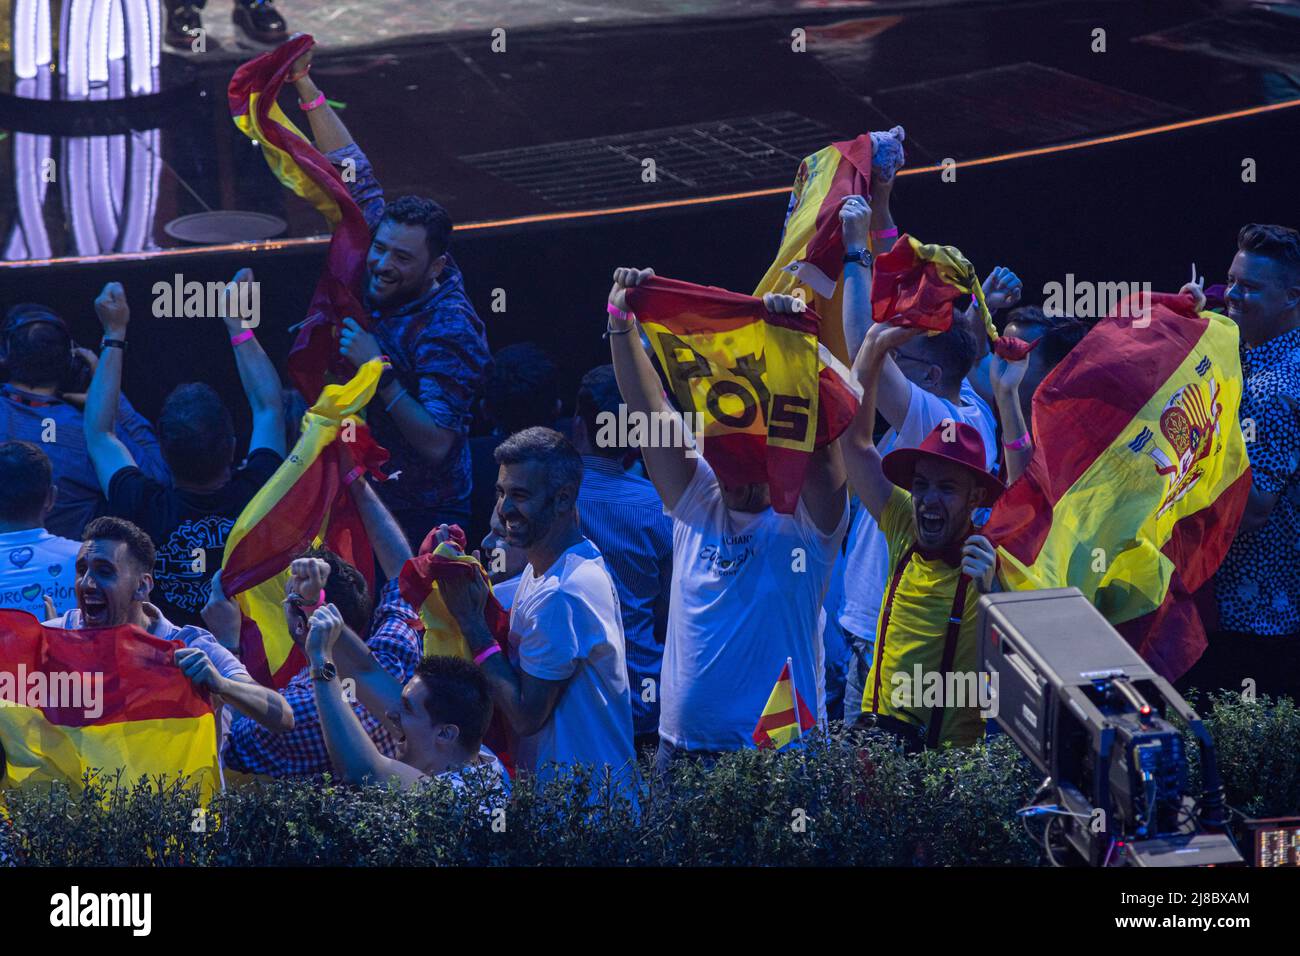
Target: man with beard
x,y
114,577
422,319
1257,588
747,581
922,499
563,688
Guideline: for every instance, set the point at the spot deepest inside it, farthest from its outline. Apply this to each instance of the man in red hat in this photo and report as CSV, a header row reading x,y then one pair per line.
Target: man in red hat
x,y
924,685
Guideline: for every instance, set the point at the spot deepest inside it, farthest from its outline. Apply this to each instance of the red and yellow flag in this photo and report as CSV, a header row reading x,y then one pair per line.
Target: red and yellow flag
x,y
418,582
304,169
914,284
1139,474
763,389
785,717
439,561
305,502
106,699
810,257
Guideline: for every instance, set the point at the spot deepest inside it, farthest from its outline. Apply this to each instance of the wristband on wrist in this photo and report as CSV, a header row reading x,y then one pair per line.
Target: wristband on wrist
x,y
889,233
487,652
107,343
314,104
241,337
396,398
1024,441
615,311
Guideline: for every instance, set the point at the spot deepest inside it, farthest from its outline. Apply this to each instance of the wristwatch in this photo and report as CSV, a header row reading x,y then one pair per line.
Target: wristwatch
x,y
862,256
326,672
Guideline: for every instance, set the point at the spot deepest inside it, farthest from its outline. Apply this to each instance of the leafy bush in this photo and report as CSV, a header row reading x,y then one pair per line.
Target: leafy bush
x,y
838,801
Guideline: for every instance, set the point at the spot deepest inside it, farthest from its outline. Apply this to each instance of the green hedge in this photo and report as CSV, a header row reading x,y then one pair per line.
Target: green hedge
x,y
836,802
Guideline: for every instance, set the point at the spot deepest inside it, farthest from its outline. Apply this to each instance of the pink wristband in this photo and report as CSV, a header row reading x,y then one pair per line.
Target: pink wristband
x,y
353,475
1023,441
242,337
889,233
308,107
616,312
487,652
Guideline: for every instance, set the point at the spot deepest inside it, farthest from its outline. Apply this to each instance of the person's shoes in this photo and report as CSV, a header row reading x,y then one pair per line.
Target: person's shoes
x,y
260,21
183,21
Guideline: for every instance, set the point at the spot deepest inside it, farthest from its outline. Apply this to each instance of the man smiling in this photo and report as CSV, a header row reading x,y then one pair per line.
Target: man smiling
x,y
114,577
422,319
922,498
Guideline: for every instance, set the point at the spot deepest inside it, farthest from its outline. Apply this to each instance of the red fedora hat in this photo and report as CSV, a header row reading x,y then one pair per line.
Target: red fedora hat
x,y
965,448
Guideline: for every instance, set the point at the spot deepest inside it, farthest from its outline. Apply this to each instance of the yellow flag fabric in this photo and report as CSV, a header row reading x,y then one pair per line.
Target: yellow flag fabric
x,y
106,700
290,512
1139,474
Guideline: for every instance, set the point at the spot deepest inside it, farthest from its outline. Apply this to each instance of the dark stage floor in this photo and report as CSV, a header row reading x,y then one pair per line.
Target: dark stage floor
x,y
557,126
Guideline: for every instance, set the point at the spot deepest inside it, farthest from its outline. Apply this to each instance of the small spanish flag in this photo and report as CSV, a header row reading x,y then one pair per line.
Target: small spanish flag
x,y
785,717
105,699
438,561
915,283
418,582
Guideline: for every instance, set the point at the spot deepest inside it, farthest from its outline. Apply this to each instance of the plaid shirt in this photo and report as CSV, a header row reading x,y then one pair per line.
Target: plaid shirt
x,y
397,647
439,350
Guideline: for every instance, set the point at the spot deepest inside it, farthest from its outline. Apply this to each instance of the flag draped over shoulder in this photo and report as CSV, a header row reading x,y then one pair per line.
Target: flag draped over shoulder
x,y
764,391
306,501
1139,474
105,699
811,254
304,169
785,717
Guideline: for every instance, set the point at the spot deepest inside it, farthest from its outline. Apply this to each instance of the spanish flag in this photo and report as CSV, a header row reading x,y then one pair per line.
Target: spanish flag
x,y
785,717
305,502
810,257
418,582
914,284
763,389
1139,474
301,167
105,699
439,561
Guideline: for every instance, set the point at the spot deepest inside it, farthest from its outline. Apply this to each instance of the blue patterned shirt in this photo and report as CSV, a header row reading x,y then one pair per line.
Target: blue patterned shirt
x,y
621,513
438,347
1258,585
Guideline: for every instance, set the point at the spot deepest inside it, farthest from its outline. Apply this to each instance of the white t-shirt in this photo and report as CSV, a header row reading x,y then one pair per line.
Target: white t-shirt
x,y
867,567
565,624
35,563
746,594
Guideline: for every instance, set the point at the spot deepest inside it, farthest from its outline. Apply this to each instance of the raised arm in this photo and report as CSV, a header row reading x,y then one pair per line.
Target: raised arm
x,y
352,753
861,457
376,688
1006,378
256,370
106,450
244,694
855,215
326,128
670,469
386,535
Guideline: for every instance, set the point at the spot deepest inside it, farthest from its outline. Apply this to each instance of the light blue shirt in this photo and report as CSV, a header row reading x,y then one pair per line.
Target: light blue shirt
x,y
33,564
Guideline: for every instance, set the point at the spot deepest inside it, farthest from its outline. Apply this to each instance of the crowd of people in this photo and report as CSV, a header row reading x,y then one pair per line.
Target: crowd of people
x,y
651,603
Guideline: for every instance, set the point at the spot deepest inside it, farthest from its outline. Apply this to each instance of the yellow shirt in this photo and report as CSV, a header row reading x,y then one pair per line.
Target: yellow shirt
x,y
912,630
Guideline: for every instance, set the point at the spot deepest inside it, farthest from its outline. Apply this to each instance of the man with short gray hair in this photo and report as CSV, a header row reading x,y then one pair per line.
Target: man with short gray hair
x,y
563,687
